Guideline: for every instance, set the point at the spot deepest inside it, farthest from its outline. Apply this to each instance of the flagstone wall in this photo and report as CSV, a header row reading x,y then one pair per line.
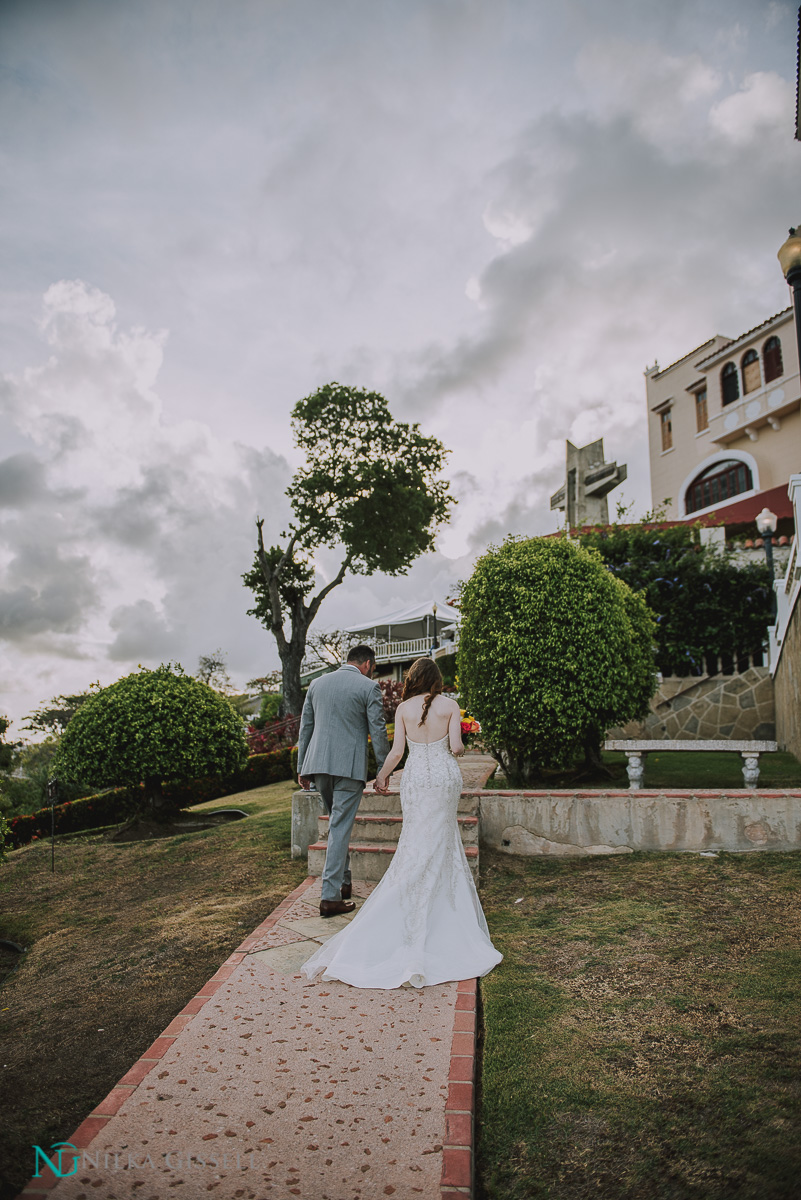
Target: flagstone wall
x,y
709,706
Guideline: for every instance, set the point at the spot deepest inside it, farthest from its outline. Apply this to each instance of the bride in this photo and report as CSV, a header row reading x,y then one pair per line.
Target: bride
x,y
423,923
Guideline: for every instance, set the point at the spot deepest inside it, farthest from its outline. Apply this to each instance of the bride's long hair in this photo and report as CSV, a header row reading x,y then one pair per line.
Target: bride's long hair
x,y
423,678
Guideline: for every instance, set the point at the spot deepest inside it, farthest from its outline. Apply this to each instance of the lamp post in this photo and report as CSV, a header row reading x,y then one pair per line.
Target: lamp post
x,y
789,257
766,525
435,643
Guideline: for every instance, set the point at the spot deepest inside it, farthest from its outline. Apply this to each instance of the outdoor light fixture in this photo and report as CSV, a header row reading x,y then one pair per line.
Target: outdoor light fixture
x,y
789,257
435,644
766,524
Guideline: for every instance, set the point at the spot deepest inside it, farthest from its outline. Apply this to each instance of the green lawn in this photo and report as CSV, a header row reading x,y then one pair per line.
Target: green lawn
x,y
681,769
642,1038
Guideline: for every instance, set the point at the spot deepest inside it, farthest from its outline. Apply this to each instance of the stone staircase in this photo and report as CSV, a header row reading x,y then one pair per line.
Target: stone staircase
x,y
379,822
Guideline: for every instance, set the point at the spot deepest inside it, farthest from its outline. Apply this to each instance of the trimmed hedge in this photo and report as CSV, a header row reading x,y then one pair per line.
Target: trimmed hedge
x,y
118,804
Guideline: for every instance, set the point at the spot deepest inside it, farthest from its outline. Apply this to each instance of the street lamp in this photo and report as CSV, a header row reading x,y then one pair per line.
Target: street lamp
x,y
435,643
789,257
766,524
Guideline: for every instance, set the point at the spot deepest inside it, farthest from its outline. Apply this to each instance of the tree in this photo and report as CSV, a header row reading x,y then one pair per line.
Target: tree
x,y
150,728
6,748
553,651
53,718
213,670
707,605
370,485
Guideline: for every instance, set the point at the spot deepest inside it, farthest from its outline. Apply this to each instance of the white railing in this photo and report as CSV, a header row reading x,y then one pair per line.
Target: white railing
x,y
787,589
396,651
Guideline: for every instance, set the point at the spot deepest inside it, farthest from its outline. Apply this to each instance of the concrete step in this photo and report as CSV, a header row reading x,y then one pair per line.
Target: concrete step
x,y
385,827
373,804
370,861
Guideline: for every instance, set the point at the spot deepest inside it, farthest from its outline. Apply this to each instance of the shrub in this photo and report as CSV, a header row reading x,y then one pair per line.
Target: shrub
x,y
150,728
554,650
706,605
391,694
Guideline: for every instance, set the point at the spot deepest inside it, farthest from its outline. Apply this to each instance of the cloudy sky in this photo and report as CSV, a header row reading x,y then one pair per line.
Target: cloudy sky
x,y
495,212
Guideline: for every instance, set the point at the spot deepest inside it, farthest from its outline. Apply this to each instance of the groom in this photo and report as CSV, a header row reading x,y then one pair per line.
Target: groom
x,y
340,709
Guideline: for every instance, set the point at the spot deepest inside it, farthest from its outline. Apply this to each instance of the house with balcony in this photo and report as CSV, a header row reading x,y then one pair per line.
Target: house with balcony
x,y
430,627
724,428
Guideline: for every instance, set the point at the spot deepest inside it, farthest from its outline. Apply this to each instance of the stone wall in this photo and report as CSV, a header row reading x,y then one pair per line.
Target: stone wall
x,y
587,823
709,706
787,684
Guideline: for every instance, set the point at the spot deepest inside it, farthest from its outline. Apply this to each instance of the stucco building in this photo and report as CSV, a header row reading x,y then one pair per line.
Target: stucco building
x,y
724,427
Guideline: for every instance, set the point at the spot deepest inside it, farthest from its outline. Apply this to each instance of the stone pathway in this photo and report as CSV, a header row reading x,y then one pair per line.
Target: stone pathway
x,y
266,1087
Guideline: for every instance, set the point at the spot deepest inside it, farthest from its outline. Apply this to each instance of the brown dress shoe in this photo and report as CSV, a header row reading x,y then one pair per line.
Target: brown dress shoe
x,y
335,908
346,891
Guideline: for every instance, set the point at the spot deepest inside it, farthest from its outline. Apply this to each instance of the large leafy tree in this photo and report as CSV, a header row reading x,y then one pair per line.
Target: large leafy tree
x,y
707,603
553,651
149,728
371,486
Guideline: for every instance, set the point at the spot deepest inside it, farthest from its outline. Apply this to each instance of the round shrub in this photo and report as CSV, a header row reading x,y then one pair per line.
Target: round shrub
x,y
150,728
554,650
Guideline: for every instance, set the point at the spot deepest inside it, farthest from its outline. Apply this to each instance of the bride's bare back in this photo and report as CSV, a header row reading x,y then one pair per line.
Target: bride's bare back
x,y
442,715
443,719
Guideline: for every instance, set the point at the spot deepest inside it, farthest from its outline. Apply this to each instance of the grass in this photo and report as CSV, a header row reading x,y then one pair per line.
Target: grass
x,y
680,769
642,1036
118,939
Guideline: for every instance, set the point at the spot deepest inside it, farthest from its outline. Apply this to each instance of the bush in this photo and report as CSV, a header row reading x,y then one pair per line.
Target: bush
x,y
391,694
706,605
117,805
151,728
554,650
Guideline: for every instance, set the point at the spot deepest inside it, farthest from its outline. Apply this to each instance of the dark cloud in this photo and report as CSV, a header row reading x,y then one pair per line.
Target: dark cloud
x,y
22,480
49,593
142,634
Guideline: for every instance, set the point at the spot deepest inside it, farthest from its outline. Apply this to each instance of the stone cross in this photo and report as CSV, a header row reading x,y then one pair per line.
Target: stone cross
x,y
588,479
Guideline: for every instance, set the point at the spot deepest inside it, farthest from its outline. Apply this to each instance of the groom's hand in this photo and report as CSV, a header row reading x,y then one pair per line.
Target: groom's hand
x,y
305,782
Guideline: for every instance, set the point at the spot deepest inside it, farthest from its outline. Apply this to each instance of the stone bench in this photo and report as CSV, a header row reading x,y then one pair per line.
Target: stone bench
x,y
635,751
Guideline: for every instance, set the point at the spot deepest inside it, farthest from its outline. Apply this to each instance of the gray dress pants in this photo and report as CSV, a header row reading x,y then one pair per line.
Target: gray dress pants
x,y
341,798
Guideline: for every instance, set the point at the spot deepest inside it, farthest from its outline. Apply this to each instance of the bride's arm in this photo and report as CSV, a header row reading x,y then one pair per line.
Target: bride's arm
x,y
455,730
395,754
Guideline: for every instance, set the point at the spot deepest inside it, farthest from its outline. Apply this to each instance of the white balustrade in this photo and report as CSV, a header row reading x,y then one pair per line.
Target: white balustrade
x,y
787,589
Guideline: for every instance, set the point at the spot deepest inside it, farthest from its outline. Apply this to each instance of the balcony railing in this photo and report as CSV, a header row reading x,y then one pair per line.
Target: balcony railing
x,y
398,652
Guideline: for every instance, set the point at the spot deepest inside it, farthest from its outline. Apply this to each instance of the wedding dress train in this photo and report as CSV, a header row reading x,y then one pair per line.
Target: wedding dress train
x,y
423,923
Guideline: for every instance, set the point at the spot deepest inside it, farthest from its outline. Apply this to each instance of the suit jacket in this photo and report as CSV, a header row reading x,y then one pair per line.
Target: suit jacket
x,y
340,709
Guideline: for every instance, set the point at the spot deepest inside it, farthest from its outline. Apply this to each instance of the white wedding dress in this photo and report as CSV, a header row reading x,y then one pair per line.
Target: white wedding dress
x,y
423,923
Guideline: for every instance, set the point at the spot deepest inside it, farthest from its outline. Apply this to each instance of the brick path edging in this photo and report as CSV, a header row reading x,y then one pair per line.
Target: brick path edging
x,y
457,1152
456,1182
102,1113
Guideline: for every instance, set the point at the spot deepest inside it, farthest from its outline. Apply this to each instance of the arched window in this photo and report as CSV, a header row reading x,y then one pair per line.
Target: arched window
x,y
752,377
772,359
719,482
729,384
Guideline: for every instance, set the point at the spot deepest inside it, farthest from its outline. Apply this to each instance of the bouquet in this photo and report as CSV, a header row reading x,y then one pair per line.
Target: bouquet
x,y
470,728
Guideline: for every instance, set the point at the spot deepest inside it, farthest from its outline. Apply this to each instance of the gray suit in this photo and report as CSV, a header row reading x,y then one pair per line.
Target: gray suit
x,y
340,709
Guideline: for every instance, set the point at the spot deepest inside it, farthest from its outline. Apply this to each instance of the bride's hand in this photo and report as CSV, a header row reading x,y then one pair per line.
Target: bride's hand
x,y
381,785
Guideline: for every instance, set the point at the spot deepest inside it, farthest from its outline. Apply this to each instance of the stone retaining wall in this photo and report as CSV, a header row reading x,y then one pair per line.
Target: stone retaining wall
x,y
583,823
709,706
